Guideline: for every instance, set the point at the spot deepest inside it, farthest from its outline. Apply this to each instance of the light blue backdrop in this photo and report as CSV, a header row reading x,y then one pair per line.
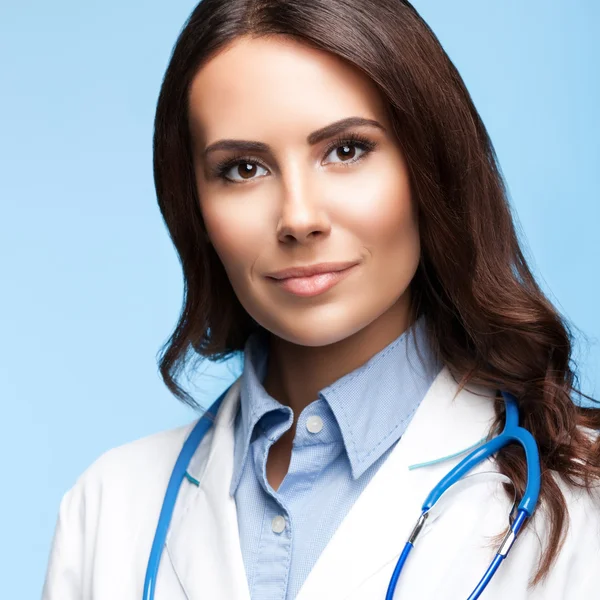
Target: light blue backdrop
x,y
91,286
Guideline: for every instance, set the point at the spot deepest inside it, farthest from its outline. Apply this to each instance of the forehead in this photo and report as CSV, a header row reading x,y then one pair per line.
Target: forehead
x,y
261,86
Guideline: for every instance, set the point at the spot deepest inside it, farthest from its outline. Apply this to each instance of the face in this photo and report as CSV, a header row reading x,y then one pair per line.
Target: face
x,y
295,198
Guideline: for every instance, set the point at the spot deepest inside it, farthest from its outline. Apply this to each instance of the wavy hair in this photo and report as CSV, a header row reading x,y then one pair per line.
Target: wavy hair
x,y
485,315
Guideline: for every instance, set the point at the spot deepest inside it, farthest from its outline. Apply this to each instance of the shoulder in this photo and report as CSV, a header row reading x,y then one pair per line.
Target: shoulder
x,y
104,516
132,464
127,477
582,505
136,474
574,567
583,510
579,555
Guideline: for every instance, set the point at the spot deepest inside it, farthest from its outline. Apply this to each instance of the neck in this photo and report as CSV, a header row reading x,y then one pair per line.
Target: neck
x,y
295,374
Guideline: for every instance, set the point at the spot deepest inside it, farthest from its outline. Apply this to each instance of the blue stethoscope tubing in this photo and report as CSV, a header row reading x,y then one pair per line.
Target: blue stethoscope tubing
x,y
166,512
512,433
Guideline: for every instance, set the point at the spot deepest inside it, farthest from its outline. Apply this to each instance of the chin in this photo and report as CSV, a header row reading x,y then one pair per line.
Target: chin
x,y
320,330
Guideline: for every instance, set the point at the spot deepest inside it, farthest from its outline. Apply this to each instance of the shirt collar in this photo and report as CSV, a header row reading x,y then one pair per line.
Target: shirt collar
x,y
372,404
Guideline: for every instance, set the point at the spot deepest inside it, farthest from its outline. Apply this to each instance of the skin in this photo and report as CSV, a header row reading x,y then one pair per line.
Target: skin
x,y
300,204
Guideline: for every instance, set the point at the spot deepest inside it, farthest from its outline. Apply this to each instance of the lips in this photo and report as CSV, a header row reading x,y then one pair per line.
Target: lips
x,y
310,270
313,284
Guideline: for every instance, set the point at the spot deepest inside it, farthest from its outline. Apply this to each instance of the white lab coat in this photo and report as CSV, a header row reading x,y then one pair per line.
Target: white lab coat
x,y
107,522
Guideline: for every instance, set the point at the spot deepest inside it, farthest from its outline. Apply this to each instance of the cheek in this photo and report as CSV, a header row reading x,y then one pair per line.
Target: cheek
x,y
236,235
389,223
390,235
385,217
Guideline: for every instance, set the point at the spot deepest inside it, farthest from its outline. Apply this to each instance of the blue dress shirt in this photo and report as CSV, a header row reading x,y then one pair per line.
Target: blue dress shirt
x,y
341,440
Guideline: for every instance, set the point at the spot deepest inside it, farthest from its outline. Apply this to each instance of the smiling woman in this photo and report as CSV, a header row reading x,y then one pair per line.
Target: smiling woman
x,y
340,218
318,160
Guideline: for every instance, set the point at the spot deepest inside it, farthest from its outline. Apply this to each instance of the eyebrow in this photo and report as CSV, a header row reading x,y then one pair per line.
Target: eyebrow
x,y
314,138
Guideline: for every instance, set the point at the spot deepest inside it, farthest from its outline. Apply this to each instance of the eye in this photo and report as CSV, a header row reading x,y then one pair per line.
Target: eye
x,y
345,149
246,166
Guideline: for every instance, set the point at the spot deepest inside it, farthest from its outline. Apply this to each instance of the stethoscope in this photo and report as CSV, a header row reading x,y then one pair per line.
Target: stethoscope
x,y
512,433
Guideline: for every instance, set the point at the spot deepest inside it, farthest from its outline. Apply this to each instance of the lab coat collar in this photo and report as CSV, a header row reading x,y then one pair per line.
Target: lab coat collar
x,y
203,544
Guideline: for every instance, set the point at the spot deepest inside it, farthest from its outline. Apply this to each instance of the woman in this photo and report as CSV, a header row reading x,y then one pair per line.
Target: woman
x,y
290,134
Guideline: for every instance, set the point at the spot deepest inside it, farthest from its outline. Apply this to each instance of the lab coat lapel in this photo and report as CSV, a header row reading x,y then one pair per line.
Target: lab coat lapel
x,y
203,543
372,535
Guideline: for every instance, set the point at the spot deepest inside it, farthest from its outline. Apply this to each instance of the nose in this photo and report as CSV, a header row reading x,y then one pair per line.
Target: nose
x,y
303,215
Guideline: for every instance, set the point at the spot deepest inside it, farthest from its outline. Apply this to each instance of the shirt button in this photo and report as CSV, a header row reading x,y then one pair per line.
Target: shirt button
x,y
278,524
314,424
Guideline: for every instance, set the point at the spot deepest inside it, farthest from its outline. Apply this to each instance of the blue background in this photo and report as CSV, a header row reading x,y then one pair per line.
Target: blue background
x,y
91,286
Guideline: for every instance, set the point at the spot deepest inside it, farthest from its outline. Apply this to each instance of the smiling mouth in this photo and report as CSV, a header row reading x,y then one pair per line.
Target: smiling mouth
x,y
314,284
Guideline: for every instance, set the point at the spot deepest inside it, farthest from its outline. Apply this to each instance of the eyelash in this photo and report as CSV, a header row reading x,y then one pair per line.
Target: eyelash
x,y
351,139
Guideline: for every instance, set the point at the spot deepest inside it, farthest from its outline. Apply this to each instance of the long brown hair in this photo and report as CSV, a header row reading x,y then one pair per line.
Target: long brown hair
x,y
486,316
